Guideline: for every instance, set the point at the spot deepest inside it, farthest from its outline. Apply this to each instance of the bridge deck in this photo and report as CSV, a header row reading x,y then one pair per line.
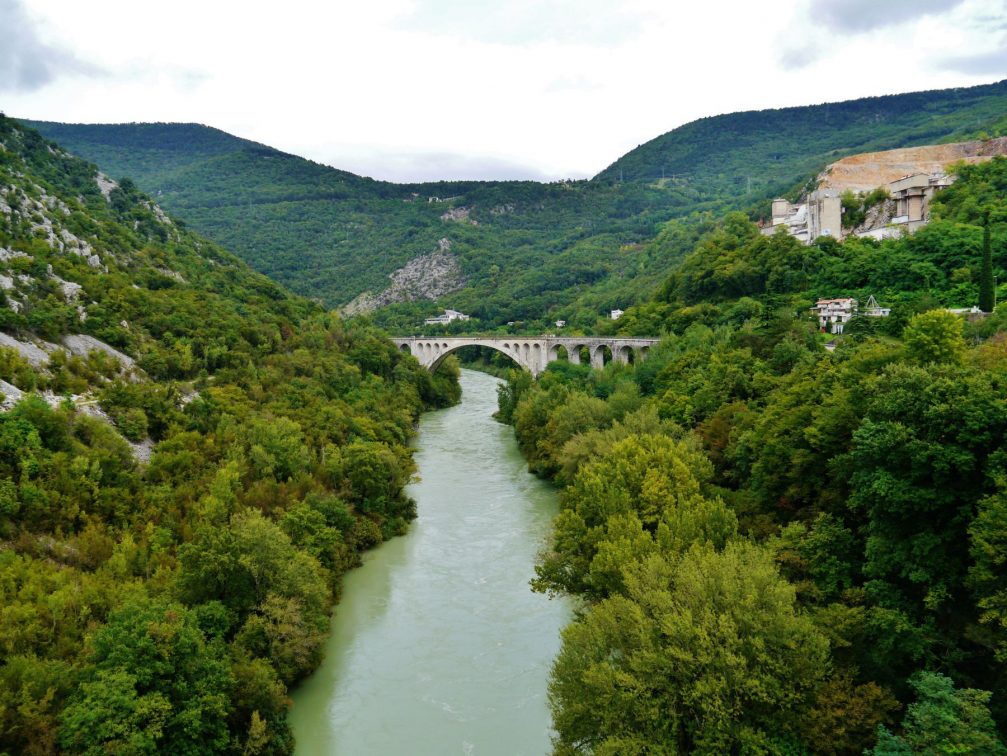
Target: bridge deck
x,y
533,353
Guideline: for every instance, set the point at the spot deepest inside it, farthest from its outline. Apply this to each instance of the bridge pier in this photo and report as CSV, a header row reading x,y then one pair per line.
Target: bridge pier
x,y
598,357
531,353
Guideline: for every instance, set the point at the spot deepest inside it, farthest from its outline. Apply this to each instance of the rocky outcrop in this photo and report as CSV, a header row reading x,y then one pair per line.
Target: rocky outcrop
x,y
9,395
105,185
878,216
426,277
80,344
36,351
459,215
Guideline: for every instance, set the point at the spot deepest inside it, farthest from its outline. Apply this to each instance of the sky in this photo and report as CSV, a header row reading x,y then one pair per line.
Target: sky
x,y
412,90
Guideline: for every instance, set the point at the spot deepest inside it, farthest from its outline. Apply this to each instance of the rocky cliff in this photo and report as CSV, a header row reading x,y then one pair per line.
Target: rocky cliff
x,y
425,277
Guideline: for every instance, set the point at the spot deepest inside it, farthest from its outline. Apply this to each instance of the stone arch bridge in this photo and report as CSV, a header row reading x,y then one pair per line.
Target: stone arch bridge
x,y
533,353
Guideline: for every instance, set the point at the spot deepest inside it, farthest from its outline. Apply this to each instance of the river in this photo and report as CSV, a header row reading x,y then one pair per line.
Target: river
x,y
438,645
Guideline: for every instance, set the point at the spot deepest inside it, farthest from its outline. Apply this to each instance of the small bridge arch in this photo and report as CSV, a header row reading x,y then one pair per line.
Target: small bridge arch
x,y
533,353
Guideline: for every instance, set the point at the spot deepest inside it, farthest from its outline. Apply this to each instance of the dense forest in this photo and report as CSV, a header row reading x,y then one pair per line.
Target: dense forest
x,y
178,504
528,252
772,149
779,548
775,546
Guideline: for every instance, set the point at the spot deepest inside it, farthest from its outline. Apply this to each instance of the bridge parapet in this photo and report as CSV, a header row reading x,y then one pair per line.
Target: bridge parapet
x,y
531,353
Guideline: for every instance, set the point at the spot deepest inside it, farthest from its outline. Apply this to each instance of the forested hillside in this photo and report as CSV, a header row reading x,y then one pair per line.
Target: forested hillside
x,y
769,151
783,549
527,251
190,458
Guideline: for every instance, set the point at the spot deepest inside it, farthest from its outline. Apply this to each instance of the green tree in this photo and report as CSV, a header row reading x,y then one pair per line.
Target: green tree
x,y
935,336
986,294
921,461
644,488
943,720
246,562
156,686
706,654
276,448
988,573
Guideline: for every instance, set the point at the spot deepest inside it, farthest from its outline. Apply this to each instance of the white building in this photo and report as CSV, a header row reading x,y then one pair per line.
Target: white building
x,y
560,323
615,314
912,195
822,212
447,317
820,215
833,314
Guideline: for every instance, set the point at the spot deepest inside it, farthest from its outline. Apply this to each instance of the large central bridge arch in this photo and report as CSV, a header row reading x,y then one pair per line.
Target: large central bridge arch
x,y
531,353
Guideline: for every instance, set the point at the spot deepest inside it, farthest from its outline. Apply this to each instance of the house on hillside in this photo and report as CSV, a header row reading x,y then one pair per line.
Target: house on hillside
x,y
615,314
833,314
448,316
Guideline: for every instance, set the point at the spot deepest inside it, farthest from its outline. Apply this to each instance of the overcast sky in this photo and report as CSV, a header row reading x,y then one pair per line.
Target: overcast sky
x,y
426,89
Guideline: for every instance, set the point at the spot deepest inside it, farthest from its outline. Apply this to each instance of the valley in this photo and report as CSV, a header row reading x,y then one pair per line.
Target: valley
x,y
237,517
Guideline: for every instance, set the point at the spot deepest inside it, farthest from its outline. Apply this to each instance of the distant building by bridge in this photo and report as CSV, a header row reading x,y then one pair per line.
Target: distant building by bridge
x,y
532,353
448,316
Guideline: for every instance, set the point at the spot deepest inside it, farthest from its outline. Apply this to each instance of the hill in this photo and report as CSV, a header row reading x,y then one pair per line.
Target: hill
x,y
772,150
786,545
190,458
523,251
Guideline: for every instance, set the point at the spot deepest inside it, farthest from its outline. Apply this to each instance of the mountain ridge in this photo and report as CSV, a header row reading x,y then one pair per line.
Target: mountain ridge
x,y
563,250
641,163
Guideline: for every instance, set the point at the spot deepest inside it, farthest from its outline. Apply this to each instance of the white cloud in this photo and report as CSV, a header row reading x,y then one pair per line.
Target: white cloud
x,y
410,89
521,22
27,61
866,15
409,167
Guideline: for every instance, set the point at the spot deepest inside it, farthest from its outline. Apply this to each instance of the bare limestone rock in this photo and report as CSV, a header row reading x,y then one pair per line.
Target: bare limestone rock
x,y
105,185
457,214
429,276
6,255
80,344
10,394
37,355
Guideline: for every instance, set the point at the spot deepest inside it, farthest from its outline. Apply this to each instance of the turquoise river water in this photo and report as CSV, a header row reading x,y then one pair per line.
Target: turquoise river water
x,y
438,645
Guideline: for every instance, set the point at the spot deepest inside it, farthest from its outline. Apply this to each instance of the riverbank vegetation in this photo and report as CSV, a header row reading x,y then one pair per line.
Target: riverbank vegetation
x,y
778,548
172,534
